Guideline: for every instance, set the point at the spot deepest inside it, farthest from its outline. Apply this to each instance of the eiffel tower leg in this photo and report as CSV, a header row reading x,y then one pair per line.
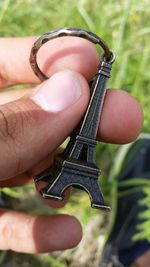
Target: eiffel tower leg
x,y
65,180
51,173
43,176
57,188
97,200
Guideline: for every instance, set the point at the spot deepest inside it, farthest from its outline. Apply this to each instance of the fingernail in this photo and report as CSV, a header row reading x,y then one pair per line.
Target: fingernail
x,y
58,92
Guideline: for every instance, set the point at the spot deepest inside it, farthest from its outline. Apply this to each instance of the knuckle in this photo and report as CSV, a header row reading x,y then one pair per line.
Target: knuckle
x,y
15,122
8,124
16,234
7,233
3,75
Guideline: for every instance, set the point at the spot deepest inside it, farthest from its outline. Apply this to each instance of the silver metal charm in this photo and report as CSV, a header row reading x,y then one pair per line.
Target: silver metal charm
x,y
76,165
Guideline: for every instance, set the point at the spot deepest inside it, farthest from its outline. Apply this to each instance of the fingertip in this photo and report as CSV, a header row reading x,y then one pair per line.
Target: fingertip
x,y
74,53
122,118
77,233
57,232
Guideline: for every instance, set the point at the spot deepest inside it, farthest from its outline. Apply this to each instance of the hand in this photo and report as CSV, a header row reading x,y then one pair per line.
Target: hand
x,y
34,122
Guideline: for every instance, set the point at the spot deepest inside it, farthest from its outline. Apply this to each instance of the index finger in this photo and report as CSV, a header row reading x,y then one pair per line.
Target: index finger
x,y
72,53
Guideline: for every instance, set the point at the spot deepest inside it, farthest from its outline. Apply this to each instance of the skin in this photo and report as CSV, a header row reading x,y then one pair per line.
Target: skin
x,y
142,261
28,138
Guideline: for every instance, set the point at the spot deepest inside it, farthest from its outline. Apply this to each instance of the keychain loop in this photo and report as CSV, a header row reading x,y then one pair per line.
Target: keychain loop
x,y
76,165
108,55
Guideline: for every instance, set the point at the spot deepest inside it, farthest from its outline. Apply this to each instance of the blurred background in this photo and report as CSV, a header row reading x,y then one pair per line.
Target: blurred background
x,y
125,26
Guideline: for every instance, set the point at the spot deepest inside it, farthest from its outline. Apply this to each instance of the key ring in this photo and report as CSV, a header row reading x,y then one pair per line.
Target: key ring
x,y
107,56
76,165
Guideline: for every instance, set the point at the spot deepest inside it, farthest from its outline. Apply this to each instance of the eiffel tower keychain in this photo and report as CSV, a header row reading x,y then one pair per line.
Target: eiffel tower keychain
x,y
76,165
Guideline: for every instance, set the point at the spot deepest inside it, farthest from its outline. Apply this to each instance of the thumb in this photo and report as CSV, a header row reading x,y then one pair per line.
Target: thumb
x,y
35,125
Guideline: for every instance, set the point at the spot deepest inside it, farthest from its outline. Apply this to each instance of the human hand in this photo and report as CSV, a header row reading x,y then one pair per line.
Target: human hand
x,y
34,122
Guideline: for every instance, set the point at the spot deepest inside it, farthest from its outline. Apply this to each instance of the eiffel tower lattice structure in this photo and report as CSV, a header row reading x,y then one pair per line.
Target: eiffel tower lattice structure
x,y
76,165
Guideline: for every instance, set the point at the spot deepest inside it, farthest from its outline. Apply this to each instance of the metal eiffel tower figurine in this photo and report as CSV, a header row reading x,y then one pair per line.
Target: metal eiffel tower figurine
x,y
76,166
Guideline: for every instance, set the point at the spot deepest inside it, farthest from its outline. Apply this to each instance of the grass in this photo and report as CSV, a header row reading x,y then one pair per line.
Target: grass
x,y
125,26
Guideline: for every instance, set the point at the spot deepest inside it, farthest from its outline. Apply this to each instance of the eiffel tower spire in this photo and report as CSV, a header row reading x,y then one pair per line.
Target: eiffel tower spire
x,y
87,130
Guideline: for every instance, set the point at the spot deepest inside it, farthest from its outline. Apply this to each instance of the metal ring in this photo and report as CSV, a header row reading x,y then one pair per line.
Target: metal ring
x,y
112,59
107,56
